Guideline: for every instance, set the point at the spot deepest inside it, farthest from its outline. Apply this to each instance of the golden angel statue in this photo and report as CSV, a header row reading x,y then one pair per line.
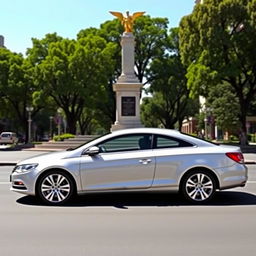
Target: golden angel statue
x,y
128,21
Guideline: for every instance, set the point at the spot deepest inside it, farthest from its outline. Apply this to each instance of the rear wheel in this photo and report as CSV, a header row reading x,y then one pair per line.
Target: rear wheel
x,y
55,188
198,186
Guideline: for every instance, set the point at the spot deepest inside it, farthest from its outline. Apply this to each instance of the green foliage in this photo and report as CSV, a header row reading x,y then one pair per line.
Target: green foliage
x,y
74,74
225,107
170,101
233,138
16,87
40,48
64,136
193,134
217,43
200,121
152,111
251,137
150,34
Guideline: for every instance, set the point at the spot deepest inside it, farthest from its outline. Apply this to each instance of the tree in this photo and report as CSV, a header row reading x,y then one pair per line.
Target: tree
x,y
150,35
149,115
16,86
74,73
106,106
170,101
40,48
111,31
217,43
224,106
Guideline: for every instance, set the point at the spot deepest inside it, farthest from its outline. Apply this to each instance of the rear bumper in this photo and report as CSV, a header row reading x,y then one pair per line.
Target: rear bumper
x,y
234,186
233,176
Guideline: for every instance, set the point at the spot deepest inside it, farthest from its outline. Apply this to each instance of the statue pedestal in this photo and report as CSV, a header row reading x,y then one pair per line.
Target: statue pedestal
x,y
127,88
127,106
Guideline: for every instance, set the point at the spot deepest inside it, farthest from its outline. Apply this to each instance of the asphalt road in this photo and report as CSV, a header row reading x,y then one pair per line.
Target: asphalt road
x,y
125,224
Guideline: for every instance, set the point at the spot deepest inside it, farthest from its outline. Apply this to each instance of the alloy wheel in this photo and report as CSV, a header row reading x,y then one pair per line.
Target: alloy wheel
x,y
199,187
55,188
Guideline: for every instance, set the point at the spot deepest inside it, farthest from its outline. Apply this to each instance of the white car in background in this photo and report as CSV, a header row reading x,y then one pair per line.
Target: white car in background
x,y
143,159
8,138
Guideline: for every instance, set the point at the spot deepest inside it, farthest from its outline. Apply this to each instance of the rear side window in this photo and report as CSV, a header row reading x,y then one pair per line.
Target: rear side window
x,y
169,142
126,143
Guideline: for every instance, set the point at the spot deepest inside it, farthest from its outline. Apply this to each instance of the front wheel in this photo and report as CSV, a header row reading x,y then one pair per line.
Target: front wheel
x,y
55,188
198,186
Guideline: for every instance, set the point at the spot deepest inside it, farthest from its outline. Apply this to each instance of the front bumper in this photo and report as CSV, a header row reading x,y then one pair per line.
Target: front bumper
x,y
23,182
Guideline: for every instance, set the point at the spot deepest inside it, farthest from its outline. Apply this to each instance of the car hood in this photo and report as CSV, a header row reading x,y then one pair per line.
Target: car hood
x,y
46,158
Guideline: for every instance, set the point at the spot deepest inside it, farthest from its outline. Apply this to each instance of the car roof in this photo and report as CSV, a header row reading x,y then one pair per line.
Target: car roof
x,y
146,130
167,132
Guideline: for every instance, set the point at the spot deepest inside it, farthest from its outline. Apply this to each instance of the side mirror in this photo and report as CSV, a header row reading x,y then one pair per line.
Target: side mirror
x,y
92,151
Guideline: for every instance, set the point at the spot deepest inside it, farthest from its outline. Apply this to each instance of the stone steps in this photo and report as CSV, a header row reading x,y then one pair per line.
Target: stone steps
x,y
63,145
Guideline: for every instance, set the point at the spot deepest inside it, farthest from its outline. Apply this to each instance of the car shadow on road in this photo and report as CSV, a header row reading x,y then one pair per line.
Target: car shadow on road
x,y
126,200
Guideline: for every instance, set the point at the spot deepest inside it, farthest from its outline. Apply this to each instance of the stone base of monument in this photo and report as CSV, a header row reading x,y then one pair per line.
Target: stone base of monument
x,y
119,126
127,105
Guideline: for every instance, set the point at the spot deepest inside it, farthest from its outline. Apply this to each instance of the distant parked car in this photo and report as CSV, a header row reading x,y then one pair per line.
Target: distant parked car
x,y
8,138
45,137
143,159
21,138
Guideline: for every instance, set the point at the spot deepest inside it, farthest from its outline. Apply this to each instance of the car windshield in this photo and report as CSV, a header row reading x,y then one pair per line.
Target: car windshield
x,y
5,135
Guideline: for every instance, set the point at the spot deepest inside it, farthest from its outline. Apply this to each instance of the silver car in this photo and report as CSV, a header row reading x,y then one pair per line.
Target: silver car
x,y
8,138
143,159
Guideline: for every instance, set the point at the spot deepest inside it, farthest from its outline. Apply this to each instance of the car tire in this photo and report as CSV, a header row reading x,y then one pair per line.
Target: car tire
x,y
55,188
198,186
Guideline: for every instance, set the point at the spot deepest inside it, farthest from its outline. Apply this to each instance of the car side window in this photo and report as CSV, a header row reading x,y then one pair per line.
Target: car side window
x,y
169,142
126,143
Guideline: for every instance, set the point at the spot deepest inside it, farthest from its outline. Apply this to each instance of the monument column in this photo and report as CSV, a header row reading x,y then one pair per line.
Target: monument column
x,y
128,47
127,87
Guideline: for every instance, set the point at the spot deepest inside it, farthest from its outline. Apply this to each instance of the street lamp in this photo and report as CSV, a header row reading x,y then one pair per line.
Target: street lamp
x,y
59,120
29,110
205,128
51,118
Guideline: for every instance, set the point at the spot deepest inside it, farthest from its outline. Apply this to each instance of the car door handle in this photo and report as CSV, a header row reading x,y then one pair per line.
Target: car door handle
x,y
145,161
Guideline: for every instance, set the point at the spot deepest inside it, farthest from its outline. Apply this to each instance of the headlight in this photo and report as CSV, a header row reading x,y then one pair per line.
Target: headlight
x,y
24,168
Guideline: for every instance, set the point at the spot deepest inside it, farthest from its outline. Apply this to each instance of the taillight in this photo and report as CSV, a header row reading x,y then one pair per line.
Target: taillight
x,y
236,156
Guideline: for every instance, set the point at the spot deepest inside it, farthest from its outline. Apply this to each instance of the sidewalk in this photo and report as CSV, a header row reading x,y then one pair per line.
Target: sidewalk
x,y
12,157
250,158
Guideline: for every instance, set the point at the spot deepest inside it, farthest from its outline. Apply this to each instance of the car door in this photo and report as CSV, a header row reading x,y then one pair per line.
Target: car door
x,y
170,153
124,162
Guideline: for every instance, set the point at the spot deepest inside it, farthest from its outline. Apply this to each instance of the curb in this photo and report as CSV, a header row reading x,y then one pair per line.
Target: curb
x,y
8,163
43,149
249,162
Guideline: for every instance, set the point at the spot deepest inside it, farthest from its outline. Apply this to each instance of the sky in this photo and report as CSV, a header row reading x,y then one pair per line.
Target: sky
x,y
21,20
